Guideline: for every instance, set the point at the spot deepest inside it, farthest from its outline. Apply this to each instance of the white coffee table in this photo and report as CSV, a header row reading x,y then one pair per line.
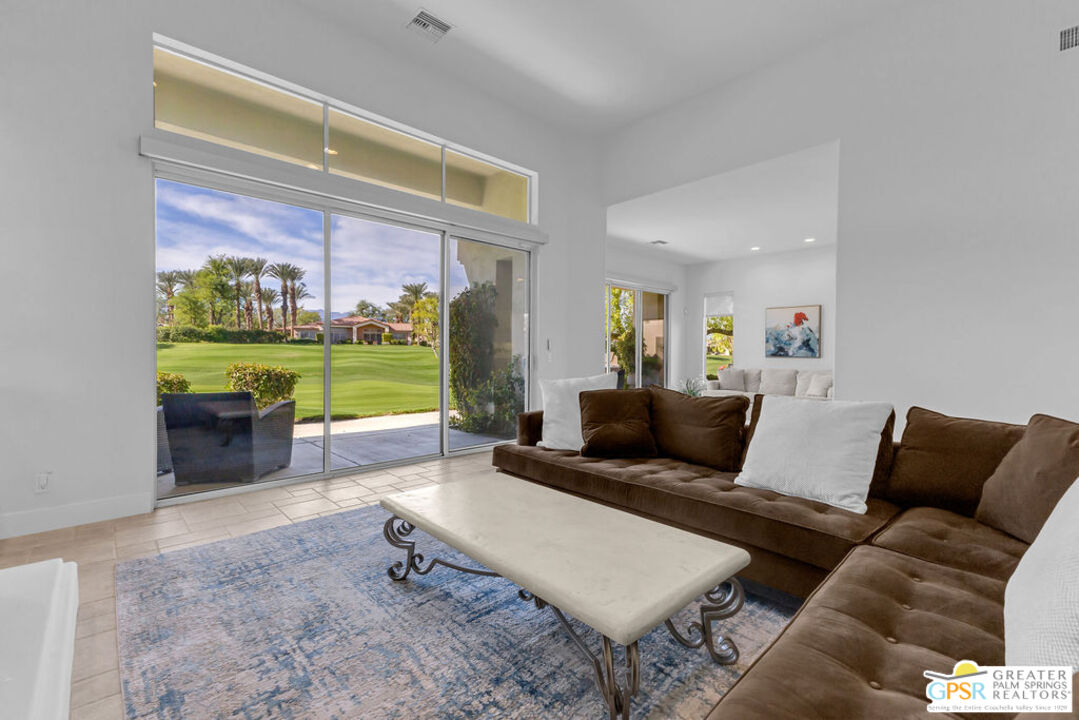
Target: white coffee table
x,y
618,573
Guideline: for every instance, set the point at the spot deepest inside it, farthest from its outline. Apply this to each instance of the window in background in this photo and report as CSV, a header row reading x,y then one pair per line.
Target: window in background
x,y
622,334
653,338
636,335
718,333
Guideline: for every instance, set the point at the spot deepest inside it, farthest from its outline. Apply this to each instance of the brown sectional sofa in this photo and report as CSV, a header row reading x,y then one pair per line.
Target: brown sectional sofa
x,y
891,593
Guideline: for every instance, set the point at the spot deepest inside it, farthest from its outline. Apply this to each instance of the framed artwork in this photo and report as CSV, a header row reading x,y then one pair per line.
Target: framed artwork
x,y
792,331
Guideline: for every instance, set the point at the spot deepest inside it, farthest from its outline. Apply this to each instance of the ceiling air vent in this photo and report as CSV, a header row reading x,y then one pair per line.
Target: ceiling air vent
x,y
1069,38
429,26
659,242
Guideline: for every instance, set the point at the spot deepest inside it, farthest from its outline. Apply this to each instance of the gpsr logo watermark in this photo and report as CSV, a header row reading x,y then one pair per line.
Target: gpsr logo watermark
x,y
1000,688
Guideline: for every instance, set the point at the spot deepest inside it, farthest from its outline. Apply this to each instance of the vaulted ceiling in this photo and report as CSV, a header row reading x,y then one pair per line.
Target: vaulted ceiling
x,y
596,65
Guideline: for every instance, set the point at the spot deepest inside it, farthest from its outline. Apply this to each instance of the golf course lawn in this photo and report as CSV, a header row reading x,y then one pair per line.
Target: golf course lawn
x,y
714,362
368,380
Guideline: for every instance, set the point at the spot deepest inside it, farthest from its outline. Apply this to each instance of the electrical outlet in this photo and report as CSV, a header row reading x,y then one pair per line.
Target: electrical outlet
x,y
41,482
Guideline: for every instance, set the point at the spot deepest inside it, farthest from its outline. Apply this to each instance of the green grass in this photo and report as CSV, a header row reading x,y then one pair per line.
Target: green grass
x,y
714,362
367,379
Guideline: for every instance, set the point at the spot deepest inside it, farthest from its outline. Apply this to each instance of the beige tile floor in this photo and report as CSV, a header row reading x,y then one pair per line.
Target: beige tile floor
x,y
95,686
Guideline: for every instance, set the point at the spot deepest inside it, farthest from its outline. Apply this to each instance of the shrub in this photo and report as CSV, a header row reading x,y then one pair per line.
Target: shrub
x,y
487,398
268,384
387,338
192,334
168,382
711,376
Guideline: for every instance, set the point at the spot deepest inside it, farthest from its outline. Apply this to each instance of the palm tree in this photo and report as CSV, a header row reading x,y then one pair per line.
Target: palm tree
x,y
297,274
239,268
413,293
247,288
270,296
216,273
187,278
258,269
167,280
282,271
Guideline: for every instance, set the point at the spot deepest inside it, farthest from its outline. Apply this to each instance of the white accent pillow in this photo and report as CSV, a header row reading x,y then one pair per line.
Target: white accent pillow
x,y
731,379
1041,601
778,382
562,409
753,379
819,385
819,451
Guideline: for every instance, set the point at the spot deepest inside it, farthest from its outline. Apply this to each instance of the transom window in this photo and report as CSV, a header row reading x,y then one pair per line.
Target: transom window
x,y
196,98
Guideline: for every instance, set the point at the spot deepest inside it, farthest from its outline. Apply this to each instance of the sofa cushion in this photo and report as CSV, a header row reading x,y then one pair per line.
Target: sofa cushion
x,y
703,430
1031,478
858,646
778,382
703,499
947,538
617,423
732,379
944,461
753,379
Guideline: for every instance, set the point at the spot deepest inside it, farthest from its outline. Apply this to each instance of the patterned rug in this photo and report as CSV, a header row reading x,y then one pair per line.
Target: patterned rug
x,y
301,621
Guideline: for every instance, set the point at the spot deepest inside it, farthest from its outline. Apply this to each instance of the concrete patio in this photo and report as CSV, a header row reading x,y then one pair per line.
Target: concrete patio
x,y
348,449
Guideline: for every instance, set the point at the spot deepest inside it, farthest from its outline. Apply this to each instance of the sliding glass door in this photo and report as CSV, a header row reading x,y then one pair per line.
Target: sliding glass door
x,y
635,337
295,340
239,382
384,375
488,341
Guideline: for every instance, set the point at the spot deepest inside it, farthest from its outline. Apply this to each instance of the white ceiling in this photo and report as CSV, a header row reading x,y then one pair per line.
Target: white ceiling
x,y
598,65
774,205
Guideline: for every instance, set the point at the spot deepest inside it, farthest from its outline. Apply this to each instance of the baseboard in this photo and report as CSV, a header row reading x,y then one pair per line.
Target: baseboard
x,y
25,522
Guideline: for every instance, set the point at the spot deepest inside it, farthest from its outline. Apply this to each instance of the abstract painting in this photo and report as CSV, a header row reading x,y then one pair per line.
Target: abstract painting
x,y
792,332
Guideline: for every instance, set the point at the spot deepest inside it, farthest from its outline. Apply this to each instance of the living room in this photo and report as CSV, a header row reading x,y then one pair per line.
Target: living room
x,y
948,131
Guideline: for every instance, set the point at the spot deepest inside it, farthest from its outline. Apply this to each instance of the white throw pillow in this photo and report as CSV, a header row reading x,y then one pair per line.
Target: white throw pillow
x,y
731,379
562,409
1041,601
818,451
778,382
819,385
753,379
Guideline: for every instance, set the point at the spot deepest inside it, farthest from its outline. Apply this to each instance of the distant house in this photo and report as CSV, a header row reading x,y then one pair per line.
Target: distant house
x,y
356,328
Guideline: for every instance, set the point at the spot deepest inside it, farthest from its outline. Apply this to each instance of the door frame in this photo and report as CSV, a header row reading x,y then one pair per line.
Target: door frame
x,y
208,179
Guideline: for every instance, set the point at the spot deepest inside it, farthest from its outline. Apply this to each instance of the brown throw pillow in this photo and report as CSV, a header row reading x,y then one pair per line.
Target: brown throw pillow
x,y
943,461
1032,478
884,451
701,430
617,423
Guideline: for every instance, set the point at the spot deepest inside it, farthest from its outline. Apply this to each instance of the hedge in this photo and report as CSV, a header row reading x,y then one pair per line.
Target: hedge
x,y
268,384
190,334
168,382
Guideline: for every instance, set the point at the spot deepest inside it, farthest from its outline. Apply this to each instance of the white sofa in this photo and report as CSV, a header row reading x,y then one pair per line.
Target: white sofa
x,y
815,384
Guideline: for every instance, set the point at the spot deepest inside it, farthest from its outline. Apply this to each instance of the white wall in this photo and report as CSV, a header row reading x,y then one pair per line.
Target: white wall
x,y
637,265
77,222
802,277
957,249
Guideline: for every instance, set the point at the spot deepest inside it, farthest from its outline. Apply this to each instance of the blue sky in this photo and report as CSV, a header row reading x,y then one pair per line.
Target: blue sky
x,y
370,260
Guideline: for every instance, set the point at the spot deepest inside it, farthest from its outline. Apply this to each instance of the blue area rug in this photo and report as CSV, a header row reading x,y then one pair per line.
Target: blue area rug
x,y
301,621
